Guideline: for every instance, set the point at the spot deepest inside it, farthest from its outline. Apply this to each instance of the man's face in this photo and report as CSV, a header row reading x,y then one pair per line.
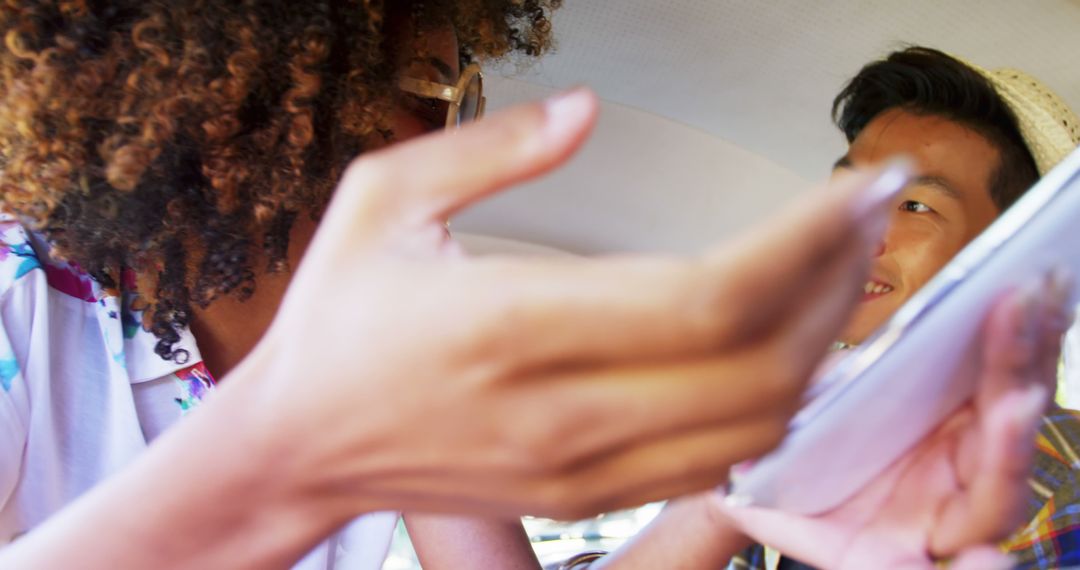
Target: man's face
x,y
945,206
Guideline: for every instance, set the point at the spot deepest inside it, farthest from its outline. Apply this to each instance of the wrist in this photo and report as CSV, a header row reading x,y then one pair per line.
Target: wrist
x,y
205,494
280,445
251,504
296,440
690,532
702,513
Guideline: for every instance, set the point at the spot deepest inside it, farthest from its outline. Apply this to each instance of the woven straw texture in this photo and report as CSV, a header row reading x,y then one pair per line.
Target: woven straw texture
x,y
1050,129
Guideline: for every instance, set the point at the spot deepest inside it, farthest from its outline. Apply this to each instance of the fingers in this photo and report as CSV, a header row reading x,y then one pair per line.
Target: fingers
x,y
779,259
798,278
621,406
1057,316
1021,347
665,467
824,311
433,177
994,502
545,485
1010,347
1022,338
813,541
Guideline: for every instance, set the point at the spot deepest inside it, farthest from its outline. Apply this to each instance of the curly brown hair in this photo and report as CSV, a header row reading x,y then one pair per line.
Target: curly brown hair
x,y
180,139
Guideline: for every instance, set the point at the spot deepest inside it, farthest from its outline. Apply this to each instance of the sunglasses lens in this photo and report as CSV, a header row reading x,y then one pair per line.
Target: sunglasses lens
x,y
469,110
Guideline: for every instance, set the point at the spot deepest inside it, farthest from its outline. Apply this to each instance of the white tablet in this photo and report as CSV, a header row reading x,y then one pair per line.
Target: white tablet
x,y
897,387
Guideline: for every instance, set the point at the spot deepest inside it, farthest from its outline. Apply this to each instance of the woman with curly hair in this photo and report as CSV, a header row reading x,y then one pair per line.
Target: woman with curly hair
x,y
165,166
123,123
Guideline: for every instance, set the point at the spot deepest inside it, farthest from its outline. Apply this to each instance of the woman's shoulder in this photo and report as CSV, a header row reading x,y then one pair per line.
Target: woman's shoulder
x,y
18,259
24,256
37,295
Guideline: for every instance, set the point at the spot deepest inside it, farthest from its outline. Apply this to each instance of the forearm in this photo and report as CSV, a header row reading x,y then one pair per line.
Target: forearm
x,y
447,542
207,494
687,534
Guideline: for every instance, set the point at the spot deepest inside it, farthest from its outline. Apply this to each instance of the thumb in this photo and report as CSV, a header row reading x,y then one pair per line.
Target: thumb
x,y
811,540
435,176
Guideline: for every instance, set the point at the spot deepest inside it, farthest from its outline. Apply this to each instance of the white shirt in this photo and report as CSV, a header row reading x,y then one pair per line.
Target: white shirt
x,y
82,394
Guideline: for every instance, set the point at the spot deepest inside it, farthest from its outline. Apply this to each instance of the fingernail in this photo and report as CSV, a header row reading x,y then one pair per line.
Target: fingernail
x,y
870,208
1061,285
1057,300
565,112
738,501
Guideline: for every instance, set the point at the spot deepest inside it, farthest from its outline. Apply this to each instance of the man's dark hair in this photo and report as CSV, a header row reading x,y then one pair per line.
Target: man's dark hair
x,y
928,82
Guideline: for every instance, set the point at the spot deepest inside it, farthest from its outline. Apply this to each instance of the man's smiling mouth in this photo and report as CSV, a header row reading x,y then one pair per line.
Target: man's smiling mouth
x,y
873,289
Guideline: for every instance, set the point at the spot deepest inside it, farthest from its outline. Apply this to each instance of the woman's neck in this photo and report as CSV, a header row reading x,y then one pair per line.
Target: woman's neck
x,y
228,329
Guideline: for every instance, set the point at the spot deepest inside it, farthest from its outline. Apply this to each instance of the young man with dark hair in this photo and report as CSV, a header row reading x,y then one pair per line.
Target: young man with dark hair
x,y
979,140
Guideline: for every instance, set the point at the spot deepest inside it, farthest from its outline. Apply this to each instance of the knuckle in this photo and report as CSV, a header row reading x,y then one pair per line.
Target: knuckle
x,y
771,434
367,178
584,510
683,467
697,307
709,309
501,329
537,450
496,328
534,456
368,171
782,380
559,497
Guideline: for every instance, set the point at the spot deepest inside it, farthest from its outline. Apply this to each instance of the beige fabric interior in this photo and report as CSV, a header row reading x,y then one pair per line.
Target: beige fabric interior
x,y
716,111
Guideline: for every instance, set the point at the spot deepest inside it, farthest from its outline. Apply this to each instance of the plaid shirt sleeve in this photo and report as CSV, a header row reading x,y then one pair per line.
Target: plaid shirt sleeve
x,y
752,558
1051,539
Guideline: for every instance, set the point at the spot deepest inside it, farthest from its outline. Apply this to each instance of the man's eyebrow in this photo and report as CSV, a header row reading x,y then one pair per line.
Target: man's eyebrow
x,y
937,183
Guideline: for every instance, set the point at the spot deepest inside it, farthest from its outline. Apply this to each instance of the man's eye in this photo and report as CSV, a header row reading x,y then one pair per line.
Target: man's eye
x,y
916,207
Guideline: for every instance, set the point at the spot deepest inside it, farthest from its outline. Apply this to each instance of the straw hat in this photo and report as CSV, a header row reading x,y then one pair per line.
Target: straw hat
x,y
1050,129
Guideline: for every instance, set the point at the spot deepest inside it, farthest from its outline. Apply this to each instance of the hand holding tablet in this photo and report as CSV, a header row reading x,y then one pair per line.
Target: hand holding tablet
x,y
895,389
961,487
